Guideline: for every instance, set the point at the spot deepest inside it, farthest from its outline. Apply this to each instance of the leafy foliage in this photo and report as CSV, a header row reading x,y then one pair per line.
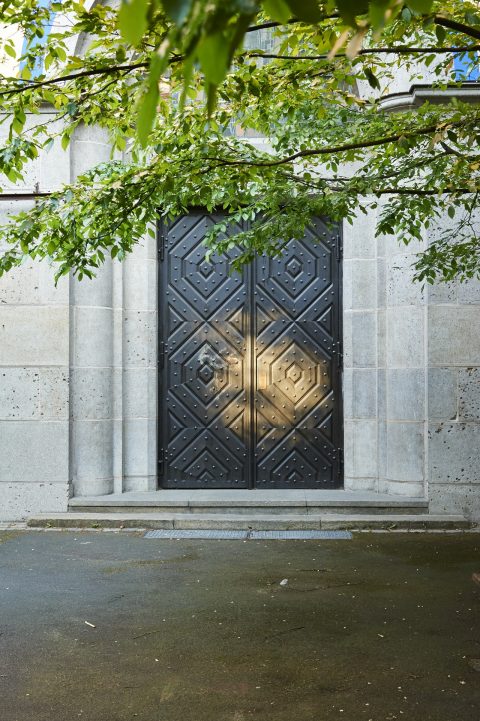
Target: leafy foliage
x,y
267,110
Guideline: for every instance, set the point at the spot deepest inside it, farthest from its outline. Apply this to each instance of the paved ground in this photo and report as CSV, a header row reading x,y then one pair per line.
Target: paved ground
x,y
382,627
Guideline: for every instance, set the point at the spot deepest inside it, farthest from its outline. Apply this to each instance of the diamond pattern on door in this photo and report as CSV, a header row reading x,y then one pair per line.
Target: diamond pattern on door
x,y
296,441
205,388
250,385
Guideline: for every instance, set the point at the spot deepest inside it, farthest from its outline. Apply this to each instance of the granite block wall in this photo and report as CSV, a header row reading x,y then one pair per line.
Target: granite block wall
x,y
78,381
384,364
411,375
113,385
454,398
34,369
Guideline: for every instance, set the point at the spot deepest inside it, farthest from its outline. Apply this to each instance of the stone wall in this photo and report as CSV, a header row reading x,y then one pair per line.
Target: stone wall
x,y
404,384
411,375
78,365
114,362
362,320
114,377
384,364
91,356
454,397
78,371
34,369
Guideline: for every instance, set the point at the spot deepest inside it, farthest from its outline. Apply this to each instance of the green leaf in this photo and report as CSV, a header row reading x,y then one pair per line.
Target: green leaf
x,y
372,79
48,96
213,53
238,34
147,106
441,33
472,18
211,98
349,9
71,108
307,10
423,7
380,14
10,51
132,20
187,76
177,10
278,10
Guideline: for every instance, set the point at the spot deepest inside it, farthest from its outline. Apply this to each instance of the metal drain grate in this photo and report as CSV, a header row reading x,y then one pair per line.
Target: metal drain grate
x,y
253,535
200,533
301,535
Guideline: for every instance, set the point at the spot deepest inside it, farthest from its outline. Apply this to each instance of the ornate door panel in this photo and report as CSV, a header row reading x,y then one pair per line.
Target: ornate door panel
x,y
205,403
250,375
297,398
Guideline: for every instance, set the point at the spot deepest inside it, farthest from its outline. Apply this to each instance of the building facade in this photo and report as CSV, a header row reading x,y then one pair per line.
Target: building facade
x,y
84,397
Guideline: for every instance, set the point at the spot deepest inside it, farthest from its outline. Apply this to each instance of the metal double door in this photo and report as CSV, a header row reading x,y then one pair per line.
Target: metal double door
x,y
250,365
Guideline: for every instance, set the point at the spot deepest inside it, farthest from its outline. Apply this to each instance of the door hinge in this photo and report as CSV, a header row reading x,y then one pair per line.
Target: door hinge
x,y
162,242
340,462
338,248
162,352
339,354
162,460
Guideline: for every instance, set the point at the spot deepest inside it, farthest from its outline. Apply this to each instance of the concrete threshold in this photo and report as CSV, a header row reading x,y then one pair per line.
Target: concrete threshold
x,y
258,522
241,502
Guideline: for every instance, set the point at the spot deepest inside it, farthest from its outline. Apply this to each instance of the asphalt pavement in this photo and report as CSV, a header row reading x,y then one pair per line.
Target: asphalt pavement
x,y
110,626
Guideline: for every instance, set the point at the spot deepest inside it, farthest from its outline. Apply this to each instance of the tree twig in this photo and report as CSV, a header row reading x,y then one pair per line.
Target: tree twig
x,y
292,21
397,50
27,85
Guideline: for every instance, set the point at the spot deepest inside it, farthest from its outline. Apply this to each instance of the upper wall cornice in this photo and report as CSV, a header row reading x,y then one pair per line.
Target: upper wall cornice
x,y
425,93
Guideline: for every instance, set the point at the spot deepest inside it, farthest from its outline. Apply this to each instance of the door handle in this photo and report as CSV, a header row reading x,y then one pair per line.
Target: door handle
x,y
206,359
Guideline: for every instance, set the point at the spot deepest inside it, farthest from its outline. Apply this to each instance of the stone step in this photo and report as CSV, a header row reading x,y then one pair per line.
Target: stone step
x,y
285,521
251,503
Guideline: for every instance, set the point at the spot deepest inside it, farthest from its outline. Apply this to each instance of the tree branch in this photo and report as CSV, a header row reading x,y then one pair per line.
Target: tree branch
x,y
438,20
25,85
336,148
24,196
356,191
421,191
73,76
454,25
292,21
397,50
